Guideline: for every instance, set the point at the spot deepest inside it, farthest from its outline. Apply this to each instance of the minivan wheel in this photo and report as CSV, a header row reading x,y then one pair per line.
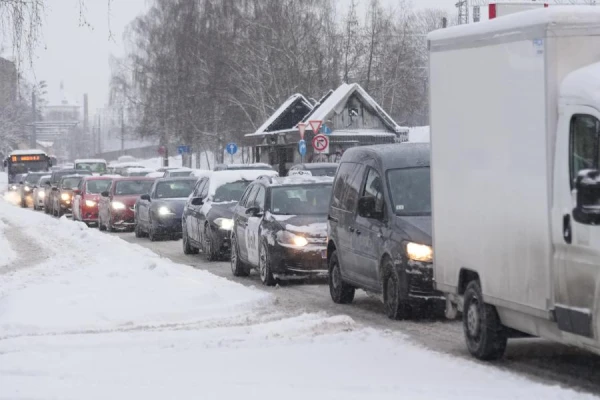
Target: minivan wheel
x,y
237,267
341,292
485,336
394,300
264,266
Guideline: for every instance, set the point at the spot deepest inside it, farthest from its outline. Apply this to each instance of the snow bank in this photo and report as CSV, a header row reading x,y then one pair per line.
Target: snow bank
x,y
7,254
93,281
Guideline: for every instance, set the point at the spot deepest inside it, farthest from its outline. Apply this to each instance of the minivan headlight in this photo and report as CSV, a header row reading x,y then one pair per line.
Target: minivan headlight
x,y
224,223
286,237
419,252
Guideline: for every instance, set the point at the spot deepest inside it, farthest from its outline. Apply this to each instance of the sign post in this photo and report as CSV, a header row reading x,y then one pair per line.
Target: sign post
x,y
231,149
302,149
321,144
301,129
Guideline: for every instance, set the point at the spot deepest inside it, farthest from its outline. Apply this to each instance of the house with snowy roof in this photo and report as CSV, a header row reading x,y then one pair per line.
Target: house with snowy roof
x,y
349,113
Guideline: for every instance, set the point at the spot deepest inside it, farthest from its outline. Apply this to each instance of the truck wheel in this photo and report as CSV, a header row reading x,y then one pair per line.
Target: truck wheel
x,y
486,337
341,292
394,293
237,267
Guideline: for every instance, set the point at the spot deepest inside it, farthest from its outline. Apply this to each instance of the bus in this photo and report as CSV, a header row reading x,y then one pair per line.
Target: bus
x,y
24,161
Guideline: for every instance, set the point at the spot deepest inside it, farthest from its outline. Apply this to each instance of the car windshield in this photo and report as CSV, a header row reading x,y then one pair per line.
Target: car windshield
x,y
174,189
70,183
300,199
133,187
229,192
180,173
96,167
32,179
410,190
98,186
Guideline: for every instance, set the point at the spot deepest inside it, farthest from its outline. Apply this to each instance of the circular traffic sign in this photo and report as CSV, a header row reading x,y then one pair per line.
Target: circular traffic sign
x,y
231,148
302,147
320,142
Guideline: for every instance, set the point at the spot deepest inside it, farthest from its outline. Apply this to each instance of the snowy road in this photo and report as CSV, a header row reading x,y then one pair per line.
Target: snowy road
x,y
86,315
538,359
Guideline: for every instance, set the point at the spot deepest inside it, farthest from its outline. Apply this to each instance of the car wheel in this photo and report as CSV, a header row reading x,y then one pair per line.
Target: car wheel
x,y
394,293
187,247
340,291
485,336
264,266
237,267
209,244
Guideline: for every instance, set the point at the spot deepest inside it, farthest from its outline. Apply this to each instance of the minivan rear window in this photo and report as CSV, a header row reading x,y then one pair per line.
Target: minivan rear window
x,y
410,190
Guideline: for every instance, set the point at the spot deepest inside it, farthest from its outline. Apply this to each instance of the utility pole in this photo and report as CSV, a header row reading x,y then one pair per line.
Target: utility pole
x,y
122,131
33,141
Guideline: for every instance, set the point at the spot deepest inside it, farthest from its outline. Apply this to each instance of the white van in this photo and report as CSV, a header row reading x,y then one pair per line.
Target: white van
x,y
515,134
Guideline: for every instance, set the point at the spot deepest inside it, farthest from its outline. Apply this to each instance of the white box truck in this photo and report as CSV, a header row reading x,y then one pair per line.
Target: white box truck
x,y
515,139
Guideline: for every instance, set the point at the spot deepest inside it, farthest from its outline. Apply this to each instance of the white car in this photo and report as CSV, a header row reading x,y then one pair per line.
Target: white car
x,y
39,192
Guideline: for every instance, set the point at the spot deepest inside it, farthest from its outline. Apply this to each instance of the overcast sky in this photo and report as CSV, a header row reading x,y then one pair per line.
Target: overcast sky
x,y
78,54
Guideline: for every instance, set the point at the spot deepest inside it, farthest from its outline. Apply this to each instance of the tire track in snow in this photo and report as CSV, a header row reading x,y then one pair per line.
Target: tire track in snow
x,y
29,252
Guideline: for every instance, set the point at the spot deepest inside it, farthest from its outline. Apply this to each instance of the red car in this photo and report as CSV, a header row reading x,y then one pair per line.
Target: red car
x,y
117,204
87,196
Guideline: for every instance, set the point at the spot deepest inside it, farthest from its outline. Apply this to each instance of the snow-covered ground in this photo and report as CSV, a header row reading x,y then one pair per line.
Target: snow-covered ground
x,y
99,318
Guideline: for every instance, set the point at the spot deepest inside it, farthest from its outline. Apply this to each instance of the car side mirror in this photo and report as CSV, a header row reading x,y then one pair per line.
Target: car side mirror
x,y
367,208
145,197
54,189
104,194
587,209
253,212
197,201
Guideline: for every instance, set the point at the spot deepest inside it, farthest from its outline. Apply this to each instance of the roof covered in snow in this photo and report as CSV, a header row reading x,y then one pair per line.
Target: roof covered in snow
x,y
361,132
557,18
294,109
582,85
26,152
336,102
90,160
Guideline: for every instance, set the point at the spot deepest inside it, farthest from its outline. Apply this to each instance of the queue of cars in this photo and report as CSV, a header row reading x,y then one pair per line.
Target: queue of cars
x,y
364,223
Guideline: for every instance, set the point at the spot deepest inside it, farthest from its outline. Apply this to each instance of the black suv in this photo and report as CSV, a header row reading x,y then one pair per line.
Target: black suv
x,y
379,227
280,228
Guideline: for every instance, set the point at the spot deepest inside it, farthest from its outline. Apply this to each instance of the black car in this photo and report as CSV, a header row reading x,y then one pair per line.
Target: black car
x,y
379,227
62,194
280,228
158,214
207,216
55,178
29,183
314,169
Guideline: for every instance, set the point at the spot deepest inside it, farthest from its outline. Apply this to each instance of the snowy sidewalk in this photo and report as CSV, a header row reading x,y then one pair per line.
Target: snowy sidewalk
x,y
98,318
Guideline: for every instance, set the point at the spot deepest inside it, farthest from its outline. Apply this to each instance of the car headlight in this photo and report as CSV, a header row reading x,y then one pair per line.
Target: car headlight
x,y
13,187
65,196
224,223
419,252
164,210
90,203
27,189
286,237
117,205
41,194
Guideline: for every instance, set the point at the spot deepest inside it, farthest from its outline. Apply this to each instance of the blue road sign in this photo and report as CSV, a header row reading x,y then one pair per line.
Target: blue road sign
x,y
325,129
231,148
302,147
184,149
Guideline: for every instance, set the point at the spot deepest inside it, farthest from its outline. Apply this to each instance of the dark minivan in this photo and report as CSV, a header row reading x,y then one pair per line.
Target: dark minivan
x,y
379,227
